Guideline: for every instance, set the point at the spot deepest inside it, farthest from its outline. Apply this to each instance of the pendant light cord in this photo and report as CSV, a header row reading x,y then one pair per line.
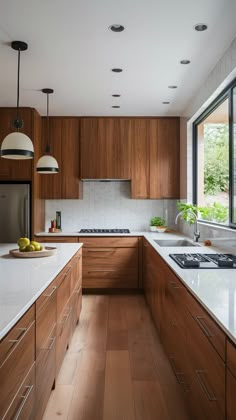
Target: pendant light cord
x,y
48,136
18,88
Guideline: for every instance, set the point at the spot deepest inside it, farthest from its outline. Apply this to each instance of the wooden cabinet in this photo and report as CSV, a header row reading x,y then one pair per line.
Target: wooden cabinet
x,y
110,262
231,380
46,317
193,342
64,146
155,158
17,356
76,287
140,175
105,146
16,170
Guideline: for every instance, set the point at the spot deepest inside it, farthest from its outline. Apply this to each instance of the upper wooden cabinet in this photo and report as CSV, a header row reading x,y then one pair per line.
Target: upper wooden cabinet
x,y
155,158
105,147
64,146
10,169
145,150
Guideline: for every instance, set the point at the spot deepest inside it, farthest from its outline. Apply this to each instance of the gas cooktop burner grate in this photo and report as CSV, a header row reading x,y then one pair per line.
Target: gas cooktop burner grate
x,y
196,260
104,231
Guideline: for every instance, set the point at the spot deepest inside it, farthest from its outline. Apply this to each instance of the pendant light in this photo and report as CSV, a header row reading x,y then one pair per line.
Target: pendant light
x,y
17,145
47,164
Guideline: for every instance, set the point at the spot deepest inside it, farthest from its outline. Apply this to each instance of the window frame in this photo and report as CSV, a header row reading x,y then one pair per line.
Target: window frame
x,y
227,93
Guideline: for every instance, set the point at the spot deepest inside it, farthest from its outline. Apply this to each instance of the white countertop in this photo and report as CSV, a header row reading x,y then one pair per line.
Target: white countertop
x,y
22,280
215,289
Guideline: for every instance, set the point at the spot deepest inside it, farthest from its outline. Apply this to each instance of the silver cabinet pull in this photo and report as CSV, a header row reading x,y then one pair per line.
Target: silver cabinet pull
x,y
65,319
25,397
50,294
52,339
202,326
203,385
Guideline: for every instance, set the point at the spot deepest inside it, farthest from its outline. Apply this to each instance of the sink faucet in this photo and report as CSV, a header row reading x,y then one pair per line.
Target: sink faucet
x,y
196,233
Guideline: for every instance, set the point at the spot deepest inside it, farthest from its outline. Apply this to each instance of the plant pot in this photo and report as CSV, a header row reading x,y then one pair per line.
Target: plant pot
x,y
153,228
161,229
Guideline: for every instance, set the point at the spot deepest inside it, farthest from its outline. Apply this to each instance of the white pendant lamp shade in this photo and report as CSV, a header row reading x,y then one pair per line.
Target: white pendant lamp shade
x,y
17,146
47,165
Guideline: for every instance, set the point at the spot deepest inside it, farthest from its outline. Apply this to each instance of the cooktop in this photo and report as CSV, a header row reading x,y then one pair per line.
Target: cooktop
x,y
104,231
216,261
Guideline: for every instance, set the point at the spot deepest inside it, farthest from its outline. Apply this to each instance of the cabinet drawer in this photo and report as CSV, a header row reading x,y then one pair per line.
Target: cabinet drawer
x,y
9,343
109,242
16,364
22,406
231,357
208,326
110,278
76,270
110,257
64,291
63,274
59,239
207,375
45,297
45,321
64,332
45,373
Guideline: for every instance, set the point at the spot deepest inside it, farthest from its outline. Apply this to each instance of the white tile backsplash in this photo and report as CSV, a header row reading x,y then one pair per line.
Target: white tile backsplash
x,y
108,205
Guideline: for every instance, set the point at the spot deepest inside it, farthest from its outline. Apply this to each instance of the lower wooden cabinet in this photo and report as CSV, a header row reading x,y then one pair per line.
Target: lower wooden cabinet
x,y
110,263
194,343
17,352
31,354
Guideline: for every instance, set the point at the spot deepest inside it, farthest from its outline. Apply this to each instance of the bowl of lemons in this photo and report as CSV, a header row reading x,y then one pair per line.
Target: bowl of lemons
x,y
31,249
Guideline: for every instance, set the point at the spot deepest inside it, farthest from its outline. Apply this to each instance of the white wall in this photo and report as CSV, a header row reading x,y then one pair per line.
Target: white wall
x,y
108,205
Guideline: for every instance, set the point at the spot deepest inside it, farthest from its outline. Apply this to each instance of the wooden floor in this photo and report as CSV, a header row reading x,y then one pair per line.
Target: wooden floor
x,y
115,367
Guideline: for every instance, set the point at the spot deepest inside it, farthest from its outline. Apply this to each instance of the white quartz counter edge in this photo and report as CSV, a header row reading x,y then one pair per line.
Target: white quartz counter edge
x,y
215,289
22,281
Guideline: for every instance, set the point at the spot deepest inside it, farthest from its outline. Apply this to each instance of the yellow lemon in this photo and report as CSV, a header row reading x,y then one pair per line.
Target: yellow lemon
x,y
29,248
36,245
23,242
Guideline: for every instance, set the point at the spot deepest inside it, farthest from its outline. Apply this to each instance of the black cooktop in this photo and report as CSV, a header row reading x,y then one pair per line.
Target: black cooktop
x,y
104,231
216,261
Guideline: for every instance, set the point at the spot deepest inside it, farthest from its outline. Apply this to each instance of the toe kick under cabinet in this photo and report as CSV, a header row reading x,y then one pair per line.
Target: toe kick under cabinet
x,y
110,262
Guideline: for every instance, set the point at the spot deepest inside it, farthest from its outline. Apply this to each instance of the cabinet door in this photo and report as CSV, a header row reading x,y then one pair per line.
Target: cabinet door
x,y
230,399
105,145
51,184
70,158
140,132
10,169
164,158
207,381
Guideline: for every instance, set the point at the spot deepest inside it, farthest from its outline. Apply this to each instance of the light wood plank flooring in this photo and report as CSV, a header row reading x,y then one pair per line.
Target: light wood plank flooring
x,y
115,367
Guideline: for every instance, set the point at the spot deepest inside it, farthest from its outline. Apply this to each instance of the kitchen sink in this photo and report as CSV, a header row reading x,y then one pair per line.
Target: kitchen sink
x,y
175,242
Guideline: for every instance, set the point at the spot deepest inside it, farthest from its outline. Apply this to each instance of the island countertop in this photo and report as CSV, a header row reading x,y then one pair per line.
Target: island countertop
x,y
22,280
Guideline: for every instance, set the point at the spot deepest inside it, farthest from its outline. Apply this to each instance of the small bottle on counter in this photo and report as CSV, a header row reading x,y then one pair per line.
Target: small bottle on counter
x,y
58,220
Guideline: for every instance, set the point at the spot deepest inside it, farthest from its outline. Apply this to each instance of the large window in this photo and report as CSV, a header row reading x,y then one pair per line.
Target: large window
x,y
214,161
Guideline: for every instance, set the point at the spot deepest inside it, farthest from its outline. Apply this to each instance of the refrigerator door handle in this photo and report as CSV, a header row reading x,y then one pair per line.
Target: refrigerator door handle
x,y
26,217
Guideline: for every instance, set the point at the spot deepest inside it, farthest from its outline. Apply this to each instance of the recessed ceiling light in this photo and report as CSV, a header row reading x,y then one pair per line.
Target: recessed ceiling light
x,y
184,61
200,27
166,103
115,95
117,70
115,106
116,28
172,87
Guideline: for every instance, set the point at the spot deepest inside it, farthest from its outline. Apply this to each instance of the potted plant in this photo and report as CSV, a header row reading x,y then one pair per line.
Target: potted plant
x,y
157,224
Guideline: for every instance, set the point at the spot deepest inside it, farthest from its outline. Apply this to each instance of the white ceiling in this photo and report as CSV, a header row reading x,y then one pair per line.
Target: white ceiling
x,y
72,51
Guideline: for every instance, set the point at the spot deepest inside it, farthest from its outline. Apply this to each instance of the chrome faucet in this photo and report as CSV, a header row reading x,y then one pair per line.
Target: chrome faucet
x,y
196,233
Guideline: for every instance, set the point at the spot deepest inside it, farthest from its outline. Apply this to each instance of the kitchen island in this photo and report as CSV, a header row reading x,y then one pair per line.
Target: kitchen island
x,y
40,304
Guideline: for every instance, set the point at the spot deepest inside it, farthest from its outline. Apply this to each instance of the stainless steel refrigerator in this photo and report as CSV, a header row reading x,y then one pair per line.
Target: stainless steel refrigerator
x,y
14,211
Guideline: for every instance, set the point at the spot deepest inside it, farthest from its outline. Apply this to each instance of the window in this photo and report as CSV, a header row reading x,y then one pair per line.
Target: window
x,y
214,160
